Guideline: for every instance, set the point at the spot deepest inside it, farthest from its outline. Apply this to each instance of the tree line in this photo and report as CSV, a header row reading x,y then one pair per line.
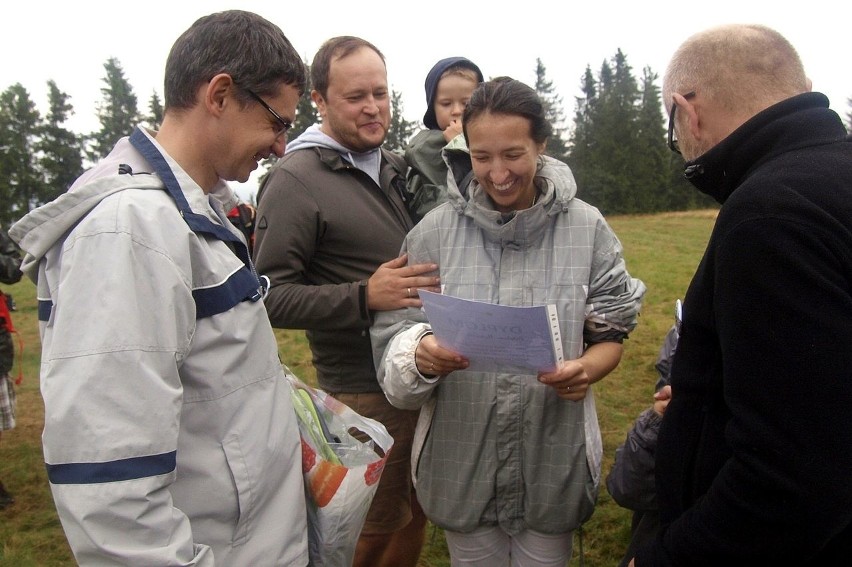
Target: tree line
x,y
614,144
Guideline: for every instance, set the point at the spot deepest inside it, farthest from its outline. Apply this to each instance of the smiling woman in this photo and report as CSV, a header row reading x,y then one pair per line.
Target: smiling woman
x,y
515,236
505,159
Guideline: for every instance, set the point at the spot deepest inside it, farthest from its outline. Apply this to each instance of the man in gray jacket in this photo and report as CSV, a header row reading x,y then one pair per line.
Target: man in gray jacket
x,y
169,436
331,221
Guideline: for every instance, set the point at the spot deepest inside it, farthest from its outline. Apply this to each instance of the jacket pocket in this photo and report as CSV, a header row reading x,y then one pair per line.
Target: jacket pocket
x,y
242,485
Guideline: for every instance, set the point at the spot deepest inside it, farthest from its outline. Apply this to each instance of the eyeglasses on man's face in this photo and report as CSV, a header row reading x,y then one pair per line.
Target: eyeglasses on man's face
x,y
673,145
283,124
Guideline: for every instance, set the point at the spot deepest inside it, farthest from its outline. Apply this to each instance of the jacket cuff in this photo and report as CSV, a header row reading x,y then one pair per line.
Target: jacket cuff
x,y
363,308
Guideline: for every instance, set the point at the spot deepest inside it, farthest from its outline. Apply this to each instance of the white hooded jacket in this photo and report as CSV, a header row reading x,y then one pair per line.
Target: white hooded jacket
x,y
169,437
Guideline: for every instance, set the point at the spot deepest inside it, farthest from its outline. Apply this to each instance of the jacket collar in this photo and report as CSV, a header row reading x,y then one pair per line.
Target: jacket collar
x,y
392,170
334,160
800,121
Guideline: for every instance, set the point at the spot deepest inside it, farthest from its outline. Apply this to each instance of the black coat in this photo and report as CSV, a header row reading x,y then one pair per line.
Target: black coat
x,y
754,457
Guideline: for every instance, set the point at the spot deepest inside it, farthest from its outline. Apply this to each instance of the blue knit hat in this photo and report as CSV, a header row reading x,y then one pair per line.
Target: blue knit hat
x,y
432,84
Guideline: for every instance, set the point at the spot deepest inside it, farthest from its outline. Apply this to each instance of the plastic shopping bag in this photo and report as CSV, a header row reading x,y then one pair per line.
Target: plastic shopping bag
x,y
343,456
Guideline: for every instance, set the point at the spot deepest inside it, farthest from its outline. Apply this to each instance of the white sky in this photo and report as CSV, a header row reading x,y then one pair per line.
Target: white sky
x,y
69,42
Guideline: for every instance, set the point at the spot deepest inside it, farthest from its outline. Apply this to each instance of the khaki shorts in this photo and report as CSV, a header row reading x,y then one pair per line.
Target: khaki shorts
x,y
391,507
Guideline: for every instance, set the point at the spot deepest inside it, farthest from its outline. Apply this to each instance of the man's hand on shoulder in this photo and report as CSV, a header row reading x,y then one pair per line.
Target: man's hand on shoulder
x,y
394,284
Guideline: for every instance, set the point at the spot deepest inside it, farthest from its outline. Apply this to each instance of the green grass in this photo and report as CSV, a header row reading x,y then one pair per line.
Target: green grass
x,y
663,250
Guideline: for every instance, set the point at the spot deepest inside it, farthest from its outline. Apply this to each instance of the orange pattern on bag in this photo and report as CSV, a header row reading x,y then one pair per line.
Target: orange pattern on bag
x,y
325,479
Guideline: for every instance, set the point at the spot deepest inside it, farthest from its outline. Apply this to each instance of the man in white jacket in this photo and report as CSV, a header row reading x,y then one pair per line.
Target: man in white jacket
x,y
169,434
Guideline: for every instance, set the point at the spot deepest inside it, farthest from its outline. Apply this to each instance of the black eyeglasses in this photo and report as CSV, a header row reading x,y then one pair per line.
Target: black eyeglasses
x,y
284,124
672,140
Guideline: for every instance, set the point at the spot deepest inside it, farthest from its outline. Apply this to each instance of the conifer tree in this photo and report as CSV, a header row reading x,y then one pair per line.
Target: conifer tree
x,y
581,141
652,163
60,150
20,181
597,142
156,111
117,111
620,151
617,152
400,129
556,145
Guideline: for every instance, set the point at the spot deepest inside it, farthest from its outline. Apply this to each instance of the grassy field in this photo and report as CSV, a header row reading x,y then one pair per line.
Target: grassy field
x,y
662,250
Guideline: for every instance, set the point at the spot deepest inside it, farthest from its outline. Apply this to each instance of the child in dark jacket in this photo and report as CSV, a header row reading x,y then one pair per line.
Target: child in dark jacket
x,y
449,85
631,481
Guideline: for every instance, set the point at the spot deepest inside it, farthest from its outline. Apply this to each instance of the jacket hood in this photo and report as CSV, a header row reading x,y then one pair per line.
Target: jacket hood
x,y
124,168
521,229
313,137
432,84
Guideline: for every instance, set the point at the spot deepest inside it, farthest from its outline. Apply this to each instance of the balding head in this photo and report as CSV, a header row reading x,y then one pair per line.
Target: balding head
x,y
742,69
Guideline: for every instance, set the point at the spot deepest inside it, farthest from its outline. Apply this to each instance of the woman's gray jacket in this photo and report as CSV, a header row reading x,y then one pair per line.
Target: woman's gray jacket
x,y
504,449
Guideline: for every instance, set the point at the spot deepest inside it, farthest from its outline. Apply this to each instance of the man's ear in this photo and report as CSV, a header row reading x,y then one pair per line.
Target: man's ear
x,y
690,110
319,101
216,93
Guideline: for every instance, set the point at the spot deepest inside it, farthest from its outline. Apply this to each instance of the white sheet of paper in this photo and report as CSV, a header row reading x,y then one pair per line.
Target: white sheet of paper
x,y
496,338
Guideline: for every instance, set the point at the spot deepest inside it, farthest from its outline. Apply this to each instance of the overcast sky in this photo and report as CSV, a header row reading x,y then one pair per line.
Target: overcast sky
x,y
69,42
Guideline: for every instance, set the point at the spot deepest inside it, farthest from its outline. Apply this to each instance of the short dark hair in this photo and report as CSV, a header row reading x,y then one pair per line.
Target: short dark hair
x,y
505,95
335,48
253,50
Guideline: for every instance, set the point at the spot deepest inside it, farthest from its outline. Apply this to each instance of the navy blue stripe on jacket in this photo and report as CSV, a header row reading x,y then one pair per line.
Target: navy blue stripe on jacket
x,y
112,471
